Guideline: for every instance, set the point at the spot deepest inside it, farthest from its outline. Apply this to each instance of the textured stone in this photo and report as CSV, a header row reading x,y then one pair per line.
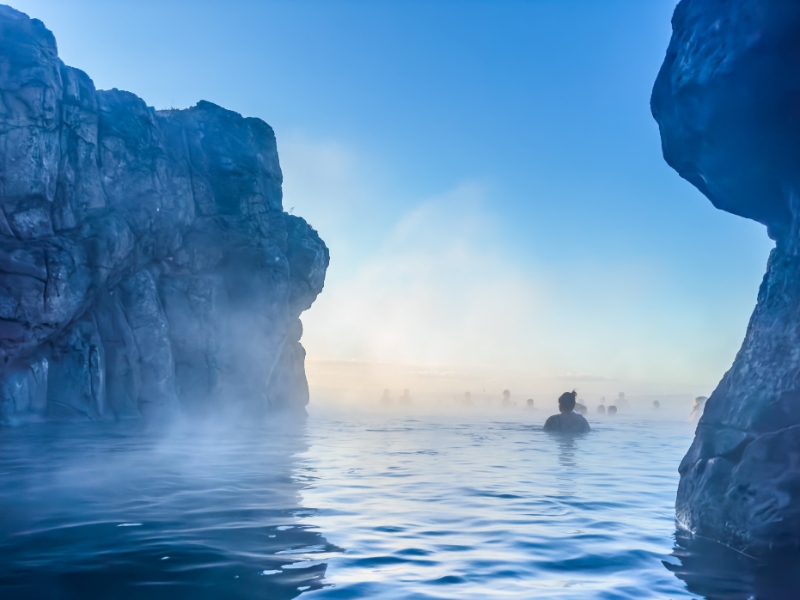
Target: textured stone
x,y
727,101
146,262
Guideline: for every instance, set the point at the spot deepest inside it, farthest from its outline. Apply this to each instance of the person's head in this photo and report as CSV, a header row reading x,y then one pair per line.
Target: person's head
x,y
656,404
612,410
567,400
601,409
530,402
506,394
580,408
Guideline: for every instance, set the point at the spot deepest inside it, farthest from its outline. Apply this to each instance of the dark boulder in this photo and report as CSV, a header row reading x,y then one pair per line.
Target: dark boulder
x,y
727,101
146,263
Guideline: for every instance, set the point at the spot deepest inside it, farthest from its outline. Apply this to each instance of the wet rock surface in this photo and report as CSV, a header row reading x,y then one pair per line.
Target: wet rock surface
x,y
727,101
146,263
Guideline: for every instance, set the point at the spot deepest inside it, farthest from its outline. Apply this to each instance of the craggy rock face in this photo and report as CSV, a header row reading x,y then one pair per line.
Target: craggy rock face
x,y
146,263
727,101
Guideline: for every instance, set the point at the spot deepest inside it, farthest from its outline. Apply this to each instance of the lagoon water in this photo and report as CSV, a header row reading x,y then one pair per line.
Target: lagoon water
x,y
354,505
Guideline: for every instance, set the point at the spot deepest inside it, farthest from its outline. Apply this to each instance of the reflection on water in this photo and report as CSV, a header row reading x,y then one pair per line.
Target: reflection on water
x,y
566,449
426,507
567,459
114,513
719,573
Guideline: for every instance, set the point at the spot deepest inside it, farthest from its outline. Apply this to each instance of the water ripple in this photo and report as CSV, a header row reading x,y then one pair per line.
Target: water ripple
x,y
367,506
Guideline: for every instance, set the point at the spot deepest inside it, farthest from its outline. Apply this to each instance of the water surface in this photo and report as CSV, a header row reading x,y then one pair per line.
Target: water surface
x,y
354,505
489,506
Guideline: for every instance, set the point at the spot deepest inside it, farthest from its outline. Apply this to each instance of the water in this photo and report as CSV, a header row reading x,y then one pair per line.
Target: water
x,y
355,506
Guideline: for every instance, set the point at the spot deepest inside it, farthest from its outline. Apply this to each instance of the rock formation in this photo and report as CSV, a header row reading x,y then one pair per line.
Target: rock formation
x,y
727,101
146,263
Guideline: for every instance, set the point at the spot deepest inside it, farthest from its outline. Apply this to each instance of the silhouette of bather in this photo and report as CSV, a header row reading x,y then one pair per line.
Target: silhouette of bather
x,y
386,398
612,410
529,404
697,409
568,420
405,399
507,399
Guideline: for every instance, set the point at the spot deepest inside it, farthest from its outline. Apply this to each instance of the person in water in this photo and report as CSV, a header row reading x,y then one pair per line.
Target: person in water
x,y
405,399
656,404
581,409
467,401
529,404
506,399
612,410
697,409
601,410
568,420
386,398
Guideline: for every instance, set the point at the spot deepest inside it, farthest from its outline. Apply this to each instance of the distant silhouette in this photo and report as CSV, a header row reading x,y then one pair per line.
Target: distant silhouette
x,y
612,410
581,409
506,399
529,404
467,401
568,420
656,404
697,409
622,401
386,398
405,399
601,410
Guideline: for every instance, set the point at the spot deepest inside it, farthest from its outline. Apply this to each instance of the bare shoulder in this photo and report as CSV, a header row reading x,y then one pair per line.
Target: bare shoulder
x,y
553,423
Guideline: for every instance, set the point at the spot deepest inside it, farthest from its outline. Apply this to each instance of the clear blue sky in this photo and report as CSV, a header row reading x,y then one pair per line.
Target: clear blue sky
x,y
486,173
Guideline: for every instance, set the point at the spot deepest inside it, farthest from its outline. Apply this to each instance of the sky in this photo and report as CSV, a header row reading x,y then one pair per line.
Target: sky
x,y
486,174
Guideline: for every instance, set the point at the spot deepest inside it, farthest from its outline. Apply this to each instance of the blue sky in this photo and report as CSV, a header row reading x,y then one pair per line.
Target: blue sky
x,y
486,173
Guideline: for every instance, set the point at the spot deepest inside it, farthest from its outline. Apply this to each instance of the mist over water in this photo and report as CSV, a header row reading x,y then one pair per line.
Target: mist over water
x,y
410,503
92,511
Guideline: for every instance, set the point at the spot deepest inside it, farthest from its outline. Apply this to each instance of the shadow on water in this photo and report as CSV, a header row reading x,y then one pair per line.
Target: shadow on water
x,y
90,511
717,572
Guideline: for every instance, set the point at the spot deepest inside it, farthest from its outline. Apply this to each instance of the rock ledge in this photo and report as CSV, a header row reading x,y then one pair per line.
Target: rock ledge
x,y
146,263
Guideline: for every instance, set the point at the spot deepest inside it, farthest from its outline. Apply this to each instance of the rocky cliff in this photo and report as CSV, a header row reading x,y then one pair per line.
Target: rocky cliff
x,y
146,263
727,101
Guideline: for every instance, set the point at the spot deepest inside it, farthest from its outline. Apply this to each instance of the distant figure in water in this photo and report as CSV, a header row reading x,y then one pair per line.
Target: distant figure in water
x,y
697,409
506,399
405,399
581,409
568,420
386,398
467,399
656,404
612,410
622,401
601,410
529,404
